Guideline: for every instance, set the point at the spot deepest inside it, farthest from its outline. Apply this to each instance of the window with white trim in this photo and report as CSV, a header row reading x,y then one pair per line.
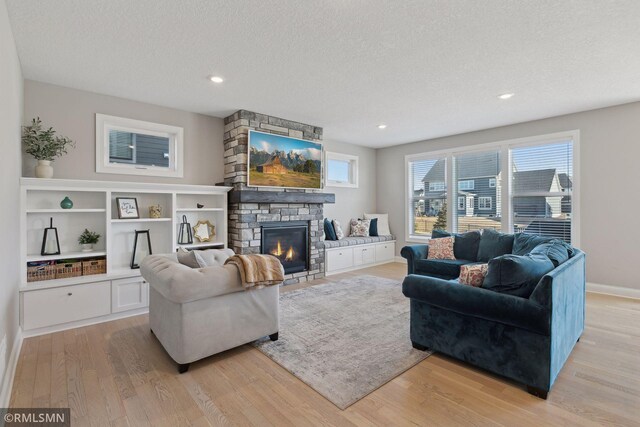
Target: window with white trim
x,y
466,185
525,185
485,203
423,203
341,170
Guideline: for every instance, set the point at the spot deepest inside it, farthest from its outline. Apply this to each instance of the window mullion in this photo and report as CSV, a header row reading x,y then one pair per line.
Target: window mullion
x,y
505,190
451,188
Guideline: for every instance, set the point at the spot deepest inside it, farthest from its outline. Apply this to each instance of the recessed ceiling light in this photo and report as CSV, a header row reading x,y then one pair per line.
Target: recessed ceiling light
x,y
216,79
506,95
383,126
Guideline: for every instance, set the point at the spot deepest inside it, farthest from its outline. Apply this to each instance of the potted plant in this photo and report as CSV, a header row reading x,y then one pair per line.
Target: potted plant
x,y
44,145
87,239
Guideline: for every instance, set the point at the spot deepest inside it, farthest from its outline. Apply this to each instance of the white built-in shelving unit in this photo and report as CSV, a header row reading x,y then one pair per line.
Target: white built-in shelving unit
x,y
67,302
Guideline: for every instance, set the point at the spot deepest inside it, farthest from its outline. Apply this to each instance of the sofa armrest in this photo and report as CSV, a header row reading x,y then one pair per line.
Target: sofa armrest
x,y
478,302
412,254
180,284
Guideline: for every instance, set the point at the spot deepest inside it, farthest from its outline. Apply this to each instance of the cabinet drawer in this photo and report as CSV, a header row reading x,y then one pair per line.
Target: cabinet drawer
x,y
128,294
49,307
385,251
337,259
364,255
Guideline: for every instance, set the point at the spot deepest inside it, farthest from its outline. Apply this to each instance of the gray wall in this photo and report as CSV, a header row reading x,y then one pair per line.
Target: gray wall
x,y
353,202
10,121
609,153
72,113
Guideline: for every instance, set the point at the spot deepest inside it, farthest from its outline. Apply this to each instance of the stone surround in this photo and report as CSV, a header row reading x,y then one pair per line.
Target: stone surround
x,y
245,216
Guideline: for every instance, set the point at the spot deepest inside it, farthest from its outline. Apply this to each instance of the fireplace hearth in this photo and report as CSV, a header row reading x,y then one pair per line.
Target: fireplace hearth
x,y
289,242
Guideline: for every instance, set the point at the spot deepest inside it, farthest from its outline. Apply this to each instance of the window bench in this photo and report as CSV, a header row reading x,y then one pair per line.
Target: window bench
x,y
352,253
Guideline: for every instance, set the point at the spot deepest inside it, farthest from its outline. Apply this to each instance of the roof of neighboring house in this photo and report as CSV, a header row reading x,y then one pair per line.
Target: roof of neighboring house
x,y
533,181
470,166
274,160
565,181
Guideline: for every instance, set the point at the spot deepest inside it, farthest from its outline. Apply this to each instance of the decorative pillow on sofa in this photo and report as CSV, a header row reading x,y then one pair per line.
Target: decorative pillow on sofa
x,y
338,229
190,258
556,250
359,227
441,248
329,231
523,243
465,245
383,223
494,244
473,274
516,275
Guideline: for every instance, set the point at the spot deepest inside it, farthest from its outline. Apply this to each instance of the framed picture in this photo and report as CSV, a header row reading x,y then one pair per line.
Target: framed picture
x,y
204,231
127,207
284,162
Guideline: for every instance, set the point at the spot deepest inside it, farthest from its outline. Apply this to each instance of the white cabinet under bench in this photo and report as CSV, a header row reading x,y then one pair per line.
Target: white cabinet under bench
x,y
352,253
75,288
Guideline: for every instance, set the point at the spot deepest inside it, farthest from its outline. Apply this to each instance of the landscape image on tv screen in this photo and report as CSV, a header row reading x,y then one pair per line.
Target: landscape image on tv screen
x,y
280,161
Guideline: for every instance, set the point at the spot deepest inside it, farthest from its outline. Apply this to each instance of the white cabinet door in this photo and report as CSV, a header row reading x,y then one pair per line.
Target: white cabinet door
x,y
129,294
385,252
363,255
338,259
48,307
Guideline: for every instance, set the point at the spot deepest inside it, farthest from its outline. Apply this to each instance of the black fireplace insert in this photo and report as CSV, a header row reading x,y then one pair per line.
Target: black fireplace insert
x,y
287,241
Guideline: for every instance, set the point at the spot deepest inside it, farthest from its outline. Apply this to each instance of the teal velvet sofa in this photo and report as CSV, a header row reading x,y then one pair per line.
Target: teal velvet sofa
x,y
525,338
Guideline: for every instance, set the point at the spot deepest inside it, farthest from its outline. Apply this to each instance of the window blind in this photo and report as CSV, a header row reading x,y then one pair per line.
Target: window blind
x,y
541,189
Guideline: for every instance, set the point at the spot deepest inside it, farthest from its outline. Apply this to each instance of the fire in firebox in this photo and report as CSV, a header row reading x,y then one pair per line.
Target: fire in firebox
x,y
288,256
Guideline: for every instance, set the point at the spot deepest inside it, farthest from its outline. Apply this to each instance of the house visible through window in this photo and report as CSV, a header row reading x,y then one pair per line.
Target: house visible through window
x,y
342,170
436,186
466,185
484,203
514,186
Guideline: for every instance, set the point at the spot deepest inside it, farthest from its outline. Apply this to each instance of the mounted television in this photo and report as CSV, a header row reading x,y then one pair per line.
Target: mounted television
x,y
284,162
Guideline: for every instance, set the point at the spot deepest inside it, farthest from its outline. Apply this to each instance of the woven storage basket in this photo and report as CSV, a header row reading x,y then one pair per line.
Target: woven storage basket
x,y
94,266
41,272
68,269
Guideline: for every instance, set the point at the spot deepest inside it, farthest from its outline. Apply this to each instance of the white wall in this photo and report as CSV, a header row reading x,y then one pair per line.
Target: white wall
x,y
353,202
72,113
609,153
10,121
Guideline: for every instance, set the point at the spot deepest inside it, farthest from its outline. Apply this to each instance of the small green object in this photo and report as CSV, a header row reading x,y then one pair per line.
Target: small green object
x,y
66,203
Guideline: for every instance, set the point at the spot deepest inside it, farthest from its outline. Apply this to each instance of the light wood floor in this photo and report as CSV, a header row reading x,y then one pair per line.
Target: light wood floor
x,y
117,373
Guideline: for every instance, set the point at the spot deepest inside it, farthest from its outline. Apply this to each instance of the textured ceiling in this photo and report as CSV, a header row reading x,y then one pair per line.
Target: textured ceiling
x,y
425,68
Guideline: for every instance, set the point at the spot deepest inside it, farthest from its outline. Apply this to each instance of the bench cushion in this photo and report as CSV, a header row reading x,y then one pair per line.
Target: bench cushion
x,y
353,241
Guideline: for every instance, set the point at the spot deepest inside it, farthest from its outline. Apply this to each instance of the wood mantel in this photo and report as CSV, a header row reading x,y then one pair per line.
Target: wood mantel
x,y
252,196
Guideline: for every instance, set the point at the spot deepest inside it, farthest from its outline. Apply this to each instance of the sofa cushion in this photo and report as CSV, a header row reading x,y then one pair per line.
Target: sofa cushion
x,y
441,248
442,268
466,244
494,244
329,231
516,275
523,243
556,250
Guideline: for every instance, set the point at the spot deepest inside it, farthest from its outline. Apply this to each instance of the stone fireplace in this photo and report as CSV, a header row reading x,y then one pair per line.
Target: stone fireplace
x,y
257,214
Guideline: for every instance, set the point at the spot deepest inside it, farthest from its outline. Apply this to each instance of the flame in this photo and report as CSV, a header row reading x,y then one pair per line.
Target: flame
x,y
289,256
278,250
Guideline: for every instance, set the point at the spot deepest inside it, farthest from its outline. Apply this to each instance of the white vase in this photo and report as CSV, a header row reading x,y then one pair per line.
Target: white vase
x,y
87,247
44,169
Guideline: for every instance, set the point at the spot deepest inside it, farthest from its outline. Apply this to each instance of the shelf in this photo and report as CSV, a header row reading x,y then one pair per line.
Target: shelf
x,y
115,221
60,210
199,209
56,283
199,245
66,255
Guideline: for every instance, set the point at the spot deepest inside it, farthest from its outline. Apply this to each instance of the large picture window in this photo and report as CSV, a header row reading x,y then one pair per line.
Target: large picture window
x,y
527,185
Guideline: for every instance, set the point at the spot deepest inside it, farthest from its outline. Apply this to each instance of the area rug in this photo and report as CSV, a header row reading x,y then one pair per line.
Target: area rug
x,y
345,339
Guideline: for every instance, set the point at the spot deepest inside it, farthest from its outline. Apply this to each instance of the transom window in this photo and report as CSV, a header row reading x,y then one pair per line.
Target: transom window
x,y
538,186
342,170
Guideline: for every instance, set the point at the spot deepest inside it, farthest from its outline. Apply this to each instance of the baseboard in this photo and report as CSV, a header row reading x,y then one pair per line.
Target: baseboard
x,y
10,372
617,291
